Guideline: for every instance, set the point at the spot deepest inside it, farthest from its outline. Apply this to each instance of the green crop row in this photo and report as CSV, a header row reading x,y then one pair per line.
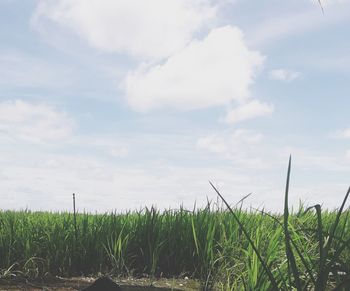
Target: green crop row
x,y
205,244
229,249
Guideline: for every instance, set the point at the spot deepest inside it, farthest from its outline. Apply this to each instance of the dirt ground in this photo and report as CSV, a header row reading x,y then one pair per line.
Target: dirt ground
x,y
127,284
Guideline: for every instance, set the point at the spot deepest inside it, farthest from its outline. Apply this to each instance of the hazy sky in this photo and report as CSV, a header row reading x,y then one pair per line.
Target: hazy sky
x,y
132,103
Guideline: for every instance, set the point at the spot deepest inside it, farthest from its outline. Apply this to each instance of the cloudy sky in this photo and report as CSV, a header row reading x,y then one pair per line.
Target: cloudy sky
x,y
133,103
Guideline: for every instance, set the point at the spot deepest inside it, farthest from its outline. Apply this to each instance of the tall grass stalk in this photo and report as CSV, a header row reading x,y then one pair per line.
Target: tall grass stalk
x,y
316,275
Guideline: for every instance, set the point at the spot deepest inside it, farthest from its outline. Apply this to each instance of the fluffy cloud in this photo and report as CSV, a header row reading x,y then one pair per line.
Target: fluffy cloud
x,y
245,165
239,146
104,187
149,29
33,122
249,110
179,71
214,71
119,152
213,143
283,75
344,133
347,155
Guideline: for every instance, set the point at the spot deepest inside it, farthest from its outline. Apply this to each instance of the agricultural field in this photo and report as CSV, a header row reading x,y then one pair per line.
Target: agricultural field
x,y
222,249
134,105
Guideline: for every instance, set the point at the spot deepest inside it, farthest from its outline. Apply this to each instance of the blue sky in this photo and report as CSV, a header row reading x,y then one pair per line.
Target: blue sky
x,y
134,103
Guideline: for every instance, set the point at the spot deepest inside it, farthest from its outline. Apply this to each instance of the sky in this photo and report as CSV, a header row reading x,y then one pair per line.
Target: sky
x,y
137,103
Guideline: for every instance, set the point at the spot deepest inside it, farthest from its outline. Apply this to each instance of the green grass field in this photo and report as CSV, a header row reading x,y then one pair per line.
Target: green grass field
x,y
238,250
204,244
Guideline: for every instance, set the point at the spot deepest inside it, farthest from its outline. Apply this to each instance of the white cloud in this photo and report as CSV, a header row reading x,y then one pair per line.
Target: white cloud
x,y
33,122
239,146
100,185
234,141
119,152
150,29
311,159
29,175
214,71
118,147
344,133
249,110
212,143
347,155
283,75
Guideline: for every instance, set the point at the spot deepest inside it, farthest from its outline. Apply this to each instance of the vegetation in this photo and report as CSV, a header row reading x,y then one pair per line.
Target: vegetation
x,y
229,249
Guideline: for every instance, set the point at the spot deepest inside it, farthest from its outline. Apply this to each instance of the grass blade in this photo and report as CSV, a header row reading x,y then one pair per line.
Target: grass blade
x,y
267,270
289,251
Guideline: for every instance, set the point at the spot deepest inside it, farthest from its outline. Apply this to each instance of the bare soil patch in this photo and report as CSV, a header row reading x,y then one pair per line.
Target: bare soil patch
x,y
79,283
